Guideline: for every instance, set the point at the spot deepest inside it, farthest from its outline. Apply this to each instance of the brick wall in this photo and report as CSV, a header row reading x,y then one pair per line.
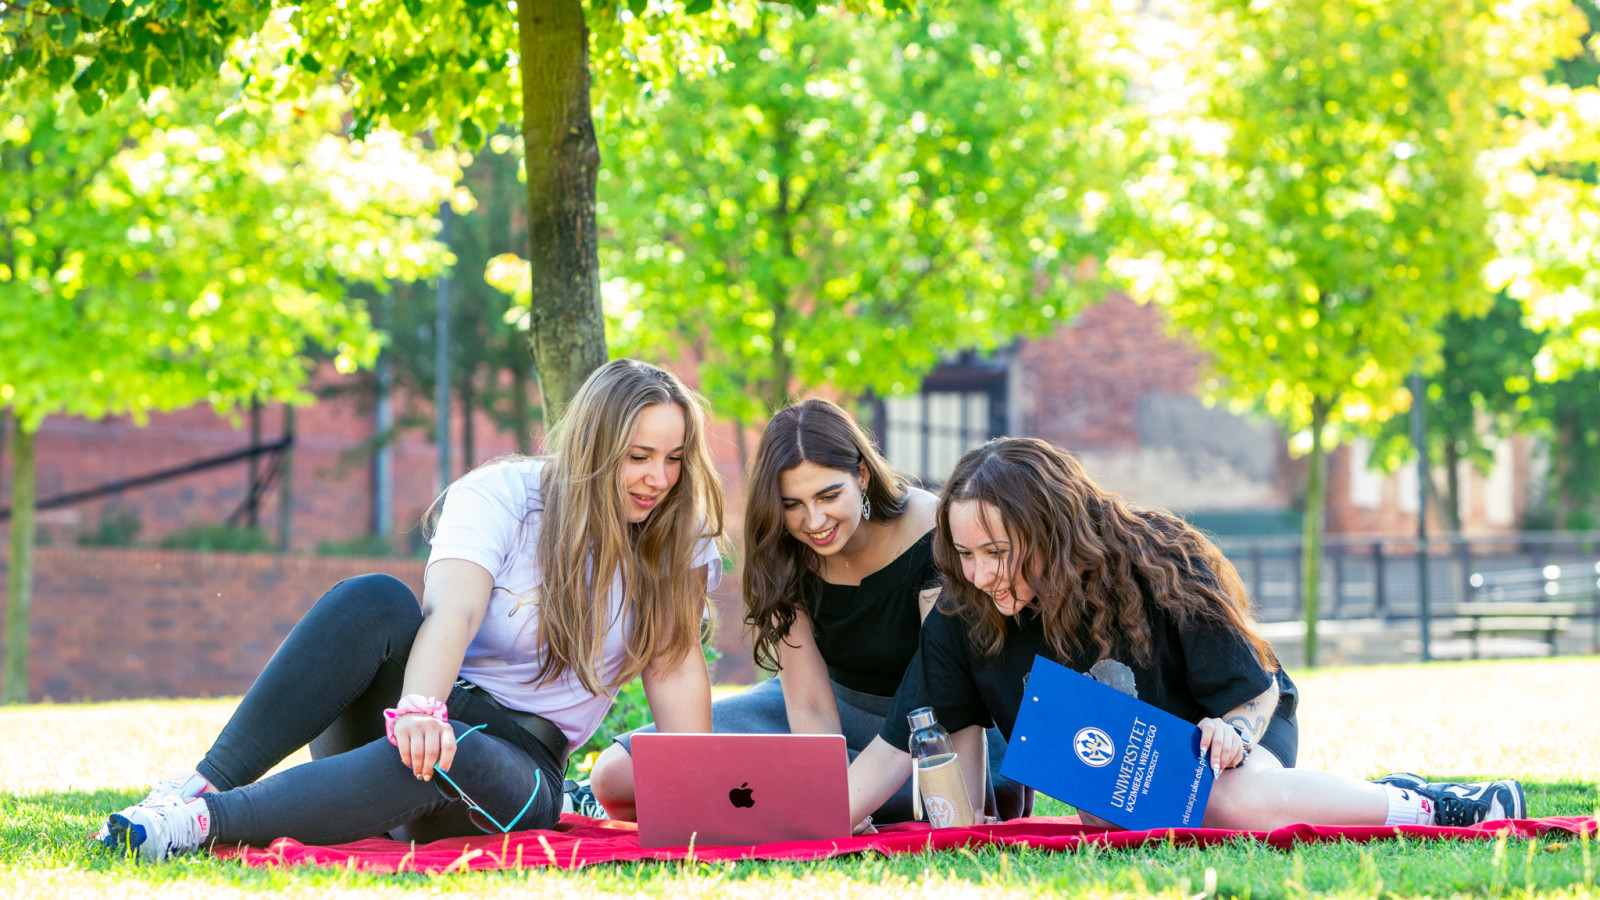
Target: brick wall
x,y
120,623
332,469
112,624
1084,383
1121,393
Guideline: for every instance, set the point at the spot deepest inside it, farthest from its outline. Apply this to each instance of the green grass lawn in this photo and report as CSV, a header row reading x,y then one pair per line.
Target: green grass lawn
x,y
63,767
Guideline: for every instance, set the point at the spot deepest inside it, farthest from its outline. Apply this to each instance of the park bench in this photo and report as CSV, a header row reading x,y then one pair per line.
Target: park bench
x,y
1524,612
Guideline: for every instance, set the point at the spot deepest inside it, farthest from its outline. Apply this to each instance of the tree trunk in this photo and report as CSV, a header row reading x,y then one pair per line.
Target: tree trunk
x,y
252,517
782,366
5,439
1311,555
286,483
562,161
19,582
1564,454
521,422
1450,503
743,445
469,402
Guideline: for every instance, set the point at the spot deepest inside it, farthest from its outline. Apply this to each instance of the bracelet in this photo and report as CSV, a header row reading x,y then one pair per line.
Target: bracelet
x,y
413,705
1249,743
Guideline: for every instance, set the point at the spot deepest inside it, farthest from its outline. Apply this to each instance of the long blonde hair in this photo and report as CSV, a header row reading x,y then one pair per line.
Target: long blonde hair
x,y
584,520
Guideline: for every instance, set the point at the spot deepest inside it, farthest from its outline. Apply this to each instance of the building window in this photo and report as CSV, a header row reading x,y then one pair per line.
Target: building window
x,y
962,405
1366,486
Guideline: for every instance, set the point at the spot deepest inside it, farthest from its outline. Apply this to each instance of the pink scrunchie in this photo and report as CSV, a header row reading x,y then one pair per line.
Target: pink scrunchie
x,y
414,704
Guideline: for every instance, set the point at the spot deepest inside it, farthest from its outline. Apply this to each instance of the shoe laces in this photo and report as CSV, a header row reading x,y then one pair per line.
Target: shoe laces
x,y
168,787
584,803
177,829
1452,810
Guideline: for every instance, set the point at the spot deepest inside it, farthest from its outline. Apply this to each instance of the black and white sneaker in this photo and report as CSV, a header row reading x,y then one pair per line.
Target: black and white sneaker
x,y
1468,803
580,799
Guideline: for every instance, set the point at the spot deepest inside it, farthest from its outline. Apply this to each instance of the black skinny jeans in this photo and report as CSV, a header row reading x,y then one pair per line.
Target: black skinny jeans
x,y
328,686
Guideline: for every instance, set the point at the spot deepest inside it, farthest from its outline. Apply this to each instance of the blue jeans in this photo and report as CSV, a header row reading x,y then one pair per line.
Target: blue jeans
x,y
328,685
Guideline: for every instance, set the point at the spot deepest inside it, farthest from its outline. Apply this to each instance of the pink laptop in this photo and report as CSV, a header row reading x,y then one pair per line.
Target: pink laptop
x,y
740,789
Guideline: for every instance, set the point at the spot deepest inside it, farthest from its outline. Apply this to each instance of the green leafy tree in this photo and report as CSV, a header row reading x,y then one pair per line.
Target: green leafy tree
x,y
1546,209
1321,210
160,254
1547,221
1570,418
458,67
1478,396
846,198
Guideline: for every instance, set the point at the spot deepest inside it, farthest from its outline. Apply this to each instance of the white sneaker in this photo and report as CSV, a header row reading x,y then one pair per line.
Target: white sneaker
x,y
179,787
157,829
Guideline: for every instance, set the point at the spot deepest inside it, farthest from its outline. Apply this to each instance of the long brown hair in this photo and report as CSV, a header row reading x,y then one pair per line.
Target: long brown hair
x,y
815,431
1089,557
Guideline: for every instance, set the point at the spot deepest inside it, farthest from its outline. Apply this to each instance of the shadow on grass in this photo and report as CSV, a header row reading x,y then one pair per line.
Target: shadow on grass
x,y
53,830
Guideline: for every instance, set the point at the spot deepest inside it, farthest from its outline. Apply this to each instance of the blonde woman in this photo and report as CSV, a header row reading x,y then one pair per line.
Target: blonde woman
x,y
552,582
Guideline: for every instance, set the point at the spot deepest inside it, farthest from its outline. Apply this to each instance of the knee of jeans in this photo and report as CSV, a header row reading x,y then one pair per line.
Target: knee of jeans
x,y
375,598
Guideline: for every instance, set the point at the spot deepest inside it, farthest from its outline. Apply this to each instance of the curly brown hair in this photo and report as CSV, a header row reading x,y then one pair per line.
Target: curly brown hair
x,y
1090,557
815,431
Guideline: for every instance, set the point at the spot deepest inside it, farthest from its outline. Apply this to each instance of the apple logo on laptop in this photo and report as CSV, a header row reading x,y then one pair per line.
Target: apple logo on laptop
x,y
741,796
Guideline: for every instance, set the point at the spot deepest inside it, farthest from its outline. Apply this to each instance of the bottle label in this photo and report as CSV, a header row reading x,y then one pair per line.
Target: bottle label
x,y
944,794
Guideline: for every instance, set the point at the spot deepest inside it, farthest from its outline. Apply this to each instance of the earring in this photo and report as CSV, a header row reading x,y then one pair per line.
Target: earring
x,y
866,507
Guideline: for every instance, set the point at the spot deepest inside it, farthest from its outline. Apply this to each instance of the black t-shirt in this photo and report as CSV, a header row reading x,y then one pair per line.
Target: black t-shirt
x,y
1203,669
867,633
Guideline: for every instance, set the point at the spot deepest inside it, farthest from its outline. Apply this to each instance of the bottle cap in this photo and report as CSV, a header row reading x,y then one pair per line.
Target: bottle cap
x,y
921,718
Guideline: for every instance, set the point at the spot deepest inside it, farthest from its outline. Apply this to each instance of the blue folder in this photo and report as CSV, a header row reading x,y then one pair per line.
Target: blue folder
x,y
1107,753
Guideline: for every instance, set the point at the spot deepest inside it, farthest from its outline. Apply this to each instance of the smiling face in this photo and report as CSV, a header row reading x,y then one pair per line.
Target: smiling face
x,y
821,506
653,461
988,555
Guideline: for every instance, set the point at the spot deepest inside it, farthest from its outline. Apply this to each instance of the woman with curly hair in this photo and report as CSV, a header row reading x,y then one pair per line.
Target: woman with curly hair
x,y
1038,560
838,575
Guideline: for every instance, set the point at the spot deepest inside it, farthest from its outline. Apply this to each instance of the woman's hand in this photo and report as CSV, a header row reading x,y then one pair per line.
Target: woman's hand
x,y
423,742
453,604
1221,744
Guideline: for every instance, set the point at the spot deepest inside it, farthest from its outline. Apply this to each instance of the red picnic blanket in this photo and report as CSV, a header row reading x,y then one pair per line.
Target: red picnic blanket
x,y
579,841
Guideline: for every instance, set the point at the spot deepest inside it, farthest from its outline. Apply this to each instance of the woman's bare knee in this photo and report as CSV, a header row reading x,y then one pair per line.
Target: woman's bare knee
x,y
611,779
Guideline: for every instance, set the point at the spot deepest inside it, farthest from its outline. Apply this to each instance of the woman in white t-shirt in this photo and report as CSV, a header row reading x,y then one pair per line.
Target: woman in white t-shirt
x,y
552,582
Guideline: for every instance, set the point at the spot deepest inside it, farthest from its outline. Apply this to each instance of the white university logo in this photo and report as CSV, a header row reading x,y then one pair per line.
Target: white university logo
x,y
1093,747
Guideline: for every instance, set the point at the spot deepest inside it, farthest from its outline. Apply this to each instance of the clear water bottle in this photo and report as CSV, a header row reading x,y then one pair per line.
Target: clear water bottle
x,y
937,786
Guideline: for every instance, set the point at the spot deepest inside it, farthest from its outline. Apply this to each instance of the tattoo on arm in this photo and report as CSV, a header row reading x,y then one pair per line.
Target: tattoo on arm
x,y
1253,729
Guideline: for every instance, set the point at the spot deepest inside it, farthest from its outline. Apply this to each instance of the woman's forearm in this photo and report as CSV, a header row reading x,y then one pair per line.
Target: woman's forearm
x,y
436,654
972,754
1253,716
814,719
874,777
807,689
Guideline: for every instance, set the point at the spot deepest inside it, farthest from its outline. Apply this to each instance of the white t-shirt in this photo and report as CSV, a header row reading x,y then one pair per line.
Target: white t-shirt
x,y
491,517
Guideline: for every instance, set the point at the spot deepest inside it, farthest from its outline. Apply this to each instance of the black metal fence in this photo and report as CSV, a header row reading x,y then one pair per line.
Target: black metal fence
x,y
1376,576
